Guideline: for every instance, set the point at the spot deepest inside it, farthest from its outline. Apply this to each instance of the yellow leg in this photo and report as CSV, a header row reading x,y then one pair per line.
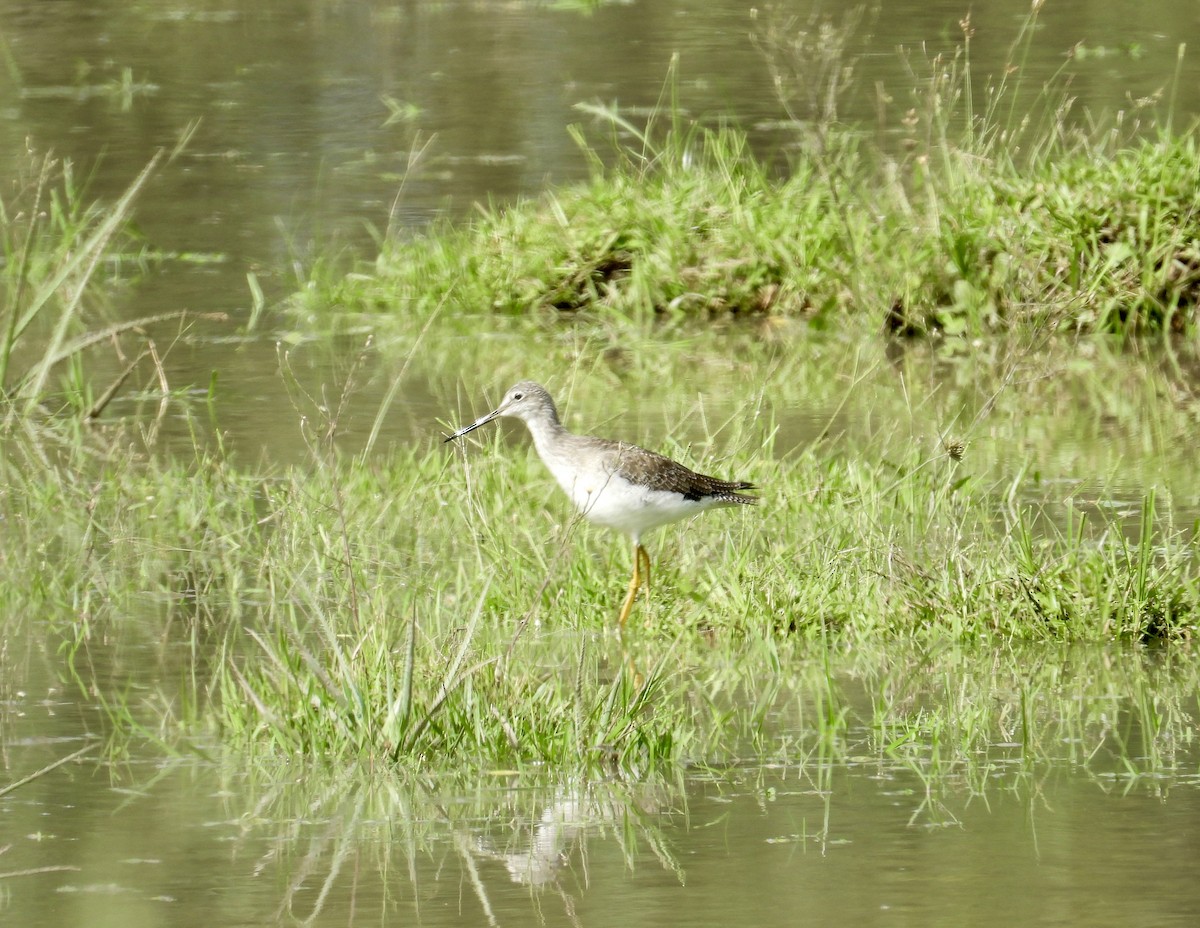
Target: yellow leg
x,y
639,554
644,556
631,667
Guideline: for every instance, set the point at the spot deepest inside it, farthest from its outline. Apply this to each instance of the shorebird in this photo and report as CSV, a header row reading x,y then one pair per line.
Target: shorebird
x,y
613,483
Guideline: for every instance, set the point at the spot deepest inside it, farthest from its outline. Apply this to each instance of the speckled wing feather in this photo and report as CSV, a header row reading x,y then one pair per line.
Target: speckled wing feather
x,y
658,472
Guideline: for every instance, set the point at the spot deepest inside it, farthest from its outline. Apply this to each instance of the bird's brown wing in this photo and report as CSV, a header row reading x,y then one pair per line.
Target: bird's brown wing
x,y
658,472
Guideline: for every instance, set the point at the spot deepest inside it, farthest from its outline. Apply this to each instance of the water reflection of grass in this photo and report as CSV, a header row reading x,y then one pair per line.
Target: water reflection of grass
x,y
534,831
935,730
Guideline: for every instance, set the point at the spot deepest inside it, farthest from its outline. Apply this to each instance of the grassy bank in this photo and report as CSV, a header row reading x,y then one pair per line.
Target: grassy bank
x,y
426,604
440,603
1015,216
1082,240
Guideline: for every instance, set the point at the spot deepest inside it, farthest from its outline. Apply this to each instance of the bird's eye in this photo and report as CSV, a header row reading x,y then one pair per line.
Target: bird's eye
x,y
518,396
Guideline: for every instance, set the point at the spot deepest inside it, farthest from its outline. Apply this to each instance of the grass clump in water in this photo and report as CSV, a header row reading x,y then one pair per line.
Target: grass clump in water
x,y
1013,217
432,608
436,602
442,603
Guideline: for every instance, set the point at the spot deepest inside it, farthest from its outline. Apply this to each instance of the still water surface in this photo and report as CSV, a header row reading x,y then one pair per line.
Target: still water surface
x,y
1073,832
309,111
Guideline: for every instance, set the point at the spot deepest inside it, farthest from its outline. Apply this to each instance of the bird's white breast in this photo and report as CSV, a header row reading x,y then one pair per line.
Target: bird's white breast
x,y
606,498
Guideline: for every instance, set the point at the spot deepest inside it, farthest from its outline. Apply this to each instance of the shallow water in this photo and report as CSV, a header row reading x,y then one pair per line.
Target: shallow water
x,y
309,109
1049,822
1088,820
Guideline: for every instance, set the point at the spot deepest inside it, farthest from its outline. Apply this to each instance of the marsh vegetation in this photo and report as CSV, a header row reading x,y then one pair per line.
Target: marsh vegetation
x,y
960,362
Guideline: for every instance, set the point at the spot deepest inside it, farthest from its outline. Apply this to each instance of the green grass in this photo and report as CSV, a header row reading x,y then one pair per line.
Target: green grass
x,y
934,734
58,251
442,602
1010,213
1083,241
434,606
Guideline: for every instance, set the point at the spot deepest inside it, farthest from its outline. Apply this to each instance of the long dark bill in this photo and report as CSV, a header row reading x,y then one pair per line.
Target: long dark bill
x,y
474,425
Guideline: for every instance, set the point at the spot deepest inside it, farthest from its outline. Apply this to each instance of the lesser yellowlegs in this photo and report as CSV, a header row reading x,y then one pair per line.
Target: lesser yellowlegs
x,y
612,483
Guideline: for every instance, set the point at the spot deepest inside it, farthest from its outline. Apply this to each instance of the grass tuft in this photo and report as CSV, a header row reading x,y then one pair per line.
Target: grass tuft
x,y
1008,214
